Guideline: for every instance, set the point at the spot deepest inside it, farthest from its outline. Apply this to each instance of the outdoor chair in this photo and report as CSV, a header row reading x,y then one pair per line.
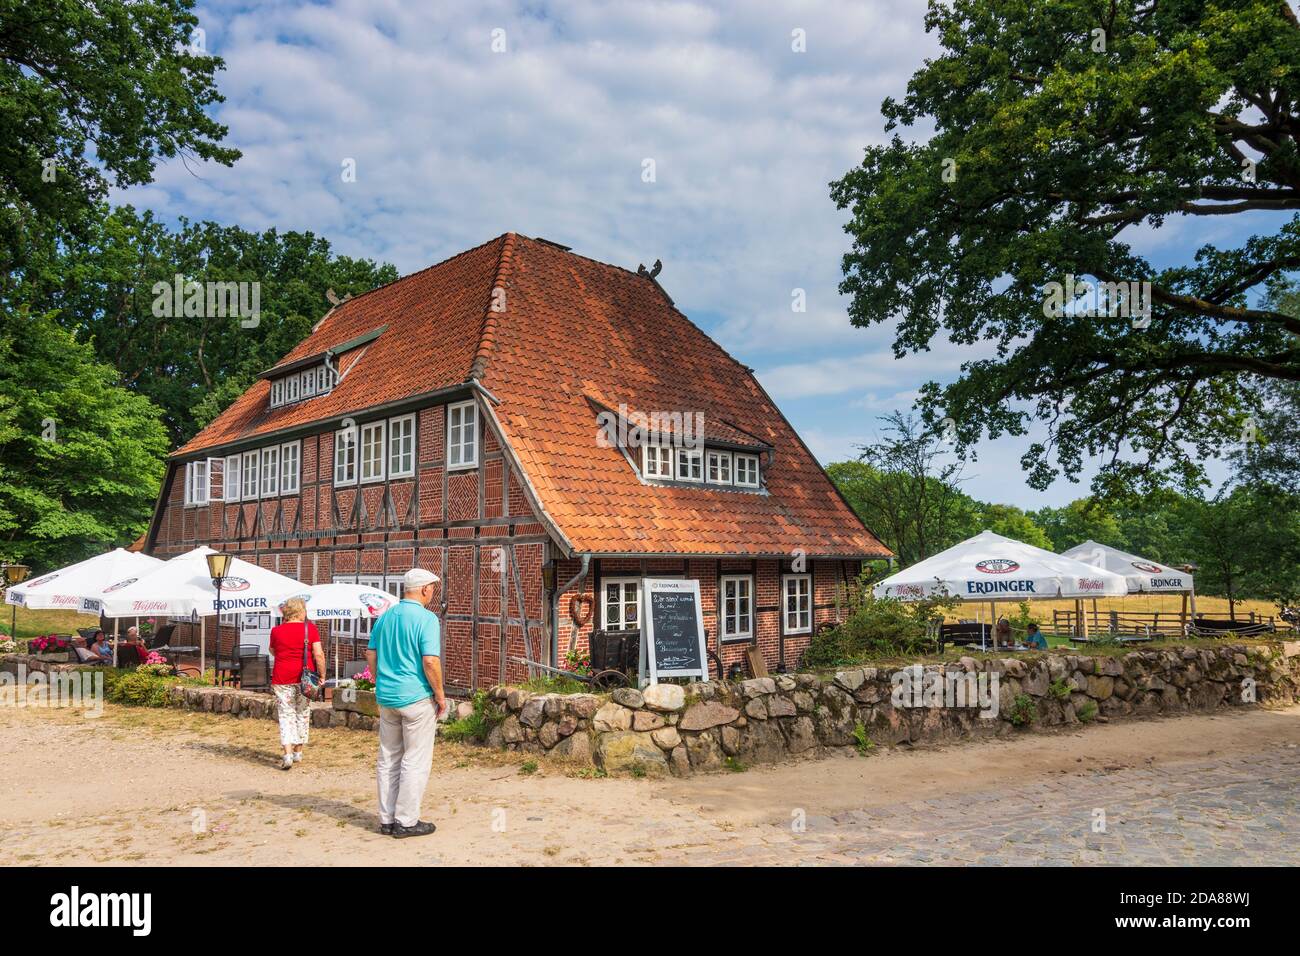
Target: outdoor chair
x,y
254,669
965,634
163,636
88,657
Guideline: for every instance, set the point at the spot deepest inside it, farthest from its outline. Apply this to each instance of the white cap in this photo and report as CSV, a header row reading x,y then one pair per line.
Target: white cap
x,y
418,578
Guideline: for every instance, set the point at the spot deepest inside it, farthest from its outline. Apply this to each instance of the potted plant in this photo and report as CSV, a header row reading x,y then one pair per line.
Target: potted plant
x,y
358,694
7,644
50,648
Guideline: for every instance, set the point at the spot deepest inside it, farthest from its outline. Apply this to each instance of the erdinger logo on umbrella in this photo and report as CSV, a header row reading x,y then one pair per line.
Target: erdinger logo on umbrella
x,y
998,566
234,584
1148,568
119,585
39,581
376,604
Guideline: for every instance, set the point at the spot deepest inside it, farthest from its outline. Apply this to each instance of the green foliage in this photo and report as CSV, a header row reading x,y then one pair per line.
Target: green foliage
x,y
735,765
528,767
105,90
861,741
80,456
1049,154
476,725
876,627
1023,711
1059,689
1086,712
137,688
101,286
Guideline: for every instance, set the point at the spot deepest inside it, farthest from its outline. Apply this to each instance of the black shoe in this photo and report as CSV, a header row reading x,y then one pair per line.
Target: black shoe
x,y
386,828
421,828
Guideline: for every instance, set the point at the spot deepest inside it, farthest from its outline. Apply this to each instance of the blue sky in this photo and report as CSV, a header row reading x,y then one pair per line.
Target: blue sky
x,y
455,142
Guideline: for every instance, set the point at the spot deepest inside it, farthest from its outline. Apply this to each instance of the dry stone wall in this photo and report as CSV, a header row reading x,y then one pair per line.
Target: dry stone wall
x,y
678,729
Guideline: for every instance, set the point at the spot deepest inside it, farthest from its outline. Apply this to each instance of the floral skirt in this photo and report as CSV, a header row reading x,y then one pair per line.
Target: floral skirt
x,y
295,713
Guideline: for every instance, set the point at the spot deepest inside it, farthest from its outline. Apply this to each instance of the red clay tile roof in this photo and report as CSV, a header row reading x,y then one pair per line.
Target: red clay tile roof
x,y
574,331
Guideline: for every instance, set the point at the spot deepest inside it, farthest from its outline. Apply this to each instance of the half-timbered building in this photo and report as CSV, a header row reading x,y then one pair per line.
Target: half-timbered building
x,y
542,431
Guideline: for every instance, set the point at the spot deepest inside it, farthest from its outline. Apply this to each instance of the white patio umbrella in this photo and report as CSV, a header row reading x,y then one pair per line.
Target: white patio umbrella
x,y
1142,575
182,587
78,587
990,567
340,601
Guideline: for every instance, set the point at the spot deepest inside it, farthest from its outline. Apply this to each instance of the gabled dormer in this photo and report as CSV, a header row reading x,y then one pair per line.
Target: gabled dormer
x,y
313,375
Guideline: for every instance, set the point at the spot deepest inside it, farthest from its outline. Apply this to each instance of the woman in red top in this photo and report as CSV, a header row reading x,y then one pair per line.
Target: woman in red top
x,y
287,647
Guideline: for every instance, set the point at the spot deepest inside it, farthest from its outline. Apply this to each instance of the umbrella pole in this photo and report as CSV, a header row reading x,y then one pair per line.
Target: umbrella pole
x,y
117,637
203,645
336,651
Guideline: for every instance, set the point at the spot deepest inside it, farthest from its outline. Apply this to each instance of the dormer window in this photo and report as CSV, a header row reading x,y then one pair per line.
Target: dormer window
x,y
690,464
318,378
719,467
657,461
746,470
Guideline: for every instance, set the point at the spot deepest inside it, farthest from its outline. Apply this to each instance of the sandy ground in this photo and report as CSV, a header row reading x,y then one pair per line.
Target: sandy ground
x,y
167,787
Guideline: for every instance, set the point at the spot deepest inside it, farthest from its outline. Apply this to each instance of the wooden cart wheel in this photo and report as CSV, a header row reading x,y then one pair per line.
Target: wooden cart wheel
x,y
608,680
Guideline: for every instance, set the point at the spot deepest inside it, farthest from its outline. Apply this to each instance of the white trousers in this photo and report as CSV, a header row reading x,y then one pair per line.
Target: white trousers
x,y
405,758
295,713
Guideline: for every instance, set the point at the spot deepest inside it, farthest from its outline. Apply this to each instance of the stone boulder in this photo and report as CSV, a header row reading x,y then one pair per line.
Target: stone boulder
x,y
664,697
629,751
612,717
706,714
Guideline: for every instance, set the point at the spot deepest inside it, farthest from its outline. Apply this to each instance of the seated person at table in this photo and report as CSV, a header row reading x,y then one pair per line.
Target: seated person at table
x,y
1002,633
98,645
1035,639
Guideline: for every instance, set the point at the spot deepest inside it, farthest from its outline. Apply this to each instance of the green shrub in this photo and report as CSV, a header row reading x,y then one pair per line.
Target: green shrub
x,y
1060,688
877,627
476,725
1086,711
136,688
1023,710
860,738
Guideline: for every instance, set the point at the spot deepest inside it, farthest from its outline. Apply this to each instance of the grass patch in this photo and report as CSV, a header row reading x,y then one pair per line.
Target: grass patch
x,y
475,726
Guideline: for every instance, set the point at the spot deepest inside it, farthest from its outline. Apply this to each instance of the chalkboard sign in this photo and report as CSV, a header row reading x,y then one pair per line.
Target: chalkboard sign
x,y
674,630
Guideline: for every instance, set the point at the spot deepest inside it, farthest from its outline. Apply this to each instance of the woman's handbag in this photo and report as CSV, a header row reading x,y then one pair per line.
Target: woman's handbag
x,y
309,684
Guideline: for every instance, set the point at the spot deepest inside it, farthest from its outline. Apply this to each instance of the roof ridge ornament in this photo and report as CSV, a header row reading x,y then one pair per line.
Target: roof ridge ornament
x,y
652,272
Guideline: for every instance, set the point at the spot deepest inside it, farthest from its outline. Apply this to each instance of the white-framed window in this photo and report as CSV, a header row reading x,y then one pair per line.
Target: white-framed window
x,y
796,603
719,467
249,475
737,596
462,435
308,383
690,464
345,456
401,446
230,478
656,461
271,471
277,393
196,483
620,604
372,451
291,388
289,467
747,470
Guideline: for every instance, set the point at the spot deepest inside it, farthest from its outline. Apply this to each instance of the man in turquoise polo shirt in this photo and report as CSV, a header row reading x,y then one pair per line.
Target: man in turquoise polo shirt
x,y
405,656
